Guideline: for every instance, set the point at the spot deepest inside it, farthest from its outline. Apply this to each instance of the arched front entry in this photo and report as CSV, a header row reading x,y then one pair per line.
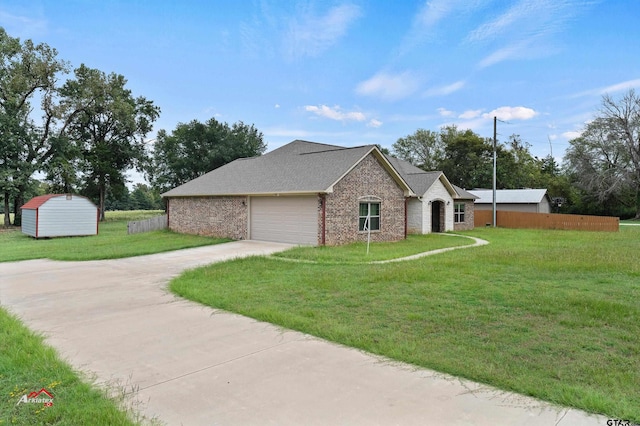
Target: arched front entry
x,y
437,216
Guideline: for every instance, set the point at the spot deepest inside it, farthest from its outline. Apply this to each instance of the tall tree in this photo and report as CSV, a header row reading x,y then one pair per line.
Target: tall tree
x,y
27,72
467,158
423,149
196,148
109,130
604,161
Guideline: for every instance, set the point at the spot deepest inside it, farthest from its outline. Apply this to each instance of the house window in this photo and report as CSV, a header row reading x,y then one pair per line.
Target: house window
x,y
458,212
369,216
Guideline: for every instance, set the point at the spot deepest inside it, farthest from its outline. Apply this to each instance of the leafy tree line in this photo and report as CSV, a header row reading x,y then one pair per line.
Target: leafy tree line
x,y
467,160
604,162
600,173
83,134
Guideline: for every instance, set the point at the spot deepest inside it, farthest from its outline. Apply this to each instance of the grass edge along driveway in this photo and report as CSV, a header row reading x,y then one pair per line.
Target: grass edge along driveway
x,y
550,314
28,364
112,242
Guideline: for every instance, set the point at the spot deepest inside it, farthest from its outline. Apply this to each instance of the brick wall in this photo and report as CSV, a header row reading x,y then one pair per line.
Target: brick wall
x,y
469,218
342,206
224,217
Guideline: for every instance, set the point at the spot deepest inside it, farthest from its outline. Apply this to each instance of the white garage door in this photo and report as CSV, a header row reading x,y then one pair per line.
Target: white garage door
x,y
285,219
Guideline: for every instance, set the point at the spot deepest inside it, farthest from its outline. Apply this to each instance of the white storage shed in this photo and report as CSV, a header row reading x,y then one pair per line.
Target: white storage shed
x,y
59,215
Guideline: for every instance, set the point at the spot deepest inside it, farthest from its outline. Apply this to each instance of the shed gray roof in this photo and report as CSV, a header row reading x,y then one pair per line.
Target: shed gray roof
x,y
510,196
299,167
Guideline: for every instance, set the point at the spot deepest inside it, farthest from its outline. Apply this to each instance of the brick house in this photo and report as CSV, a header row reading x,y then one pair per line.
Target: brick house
x,y
301,193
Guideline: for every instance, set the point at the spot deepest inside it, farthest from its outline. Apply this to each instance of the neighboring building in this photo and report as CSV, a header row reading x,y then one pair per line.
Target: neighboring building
x,y
59,215
311,193
518,200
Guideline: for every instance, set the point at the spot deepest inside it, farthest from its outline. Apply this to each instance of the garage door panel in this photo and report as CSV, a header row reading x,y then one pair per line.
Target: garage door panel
x,y
285,219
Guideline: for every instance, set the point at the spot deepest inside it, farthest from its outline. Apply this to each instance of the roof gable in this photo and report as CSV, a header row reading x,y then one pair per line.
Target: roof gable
x,y
419,180
300,167
36,202
464,194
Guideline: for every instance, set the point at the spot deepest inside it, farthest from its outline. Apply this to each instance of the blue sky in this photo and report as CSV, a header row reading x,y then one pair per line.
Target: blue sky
x,y
355,72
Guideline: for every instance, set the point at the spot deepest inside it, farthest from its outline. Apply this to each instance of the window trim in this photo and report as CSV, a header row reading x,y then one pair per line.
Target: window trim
x,y
459,213
369,201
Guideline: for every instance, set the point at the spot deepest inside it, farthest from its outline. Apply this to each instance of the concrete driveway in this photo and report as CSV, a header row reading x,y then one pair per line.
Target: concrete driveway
x,y
194,365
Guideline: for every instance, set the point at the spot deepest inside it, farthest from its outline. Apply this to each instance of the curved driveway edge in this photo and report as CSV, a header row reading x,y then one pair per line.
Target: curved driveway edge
x,y
194,365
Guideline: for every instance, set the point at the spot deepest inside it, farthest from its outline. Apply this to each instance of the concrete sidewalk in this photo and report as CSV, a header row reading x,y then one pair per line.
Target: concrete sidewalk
x,y
193,365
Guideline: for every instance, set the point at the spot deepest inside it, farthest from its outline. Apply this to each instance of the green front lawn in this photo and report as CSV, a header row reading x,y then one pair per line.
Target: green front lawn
x,y
111,242
357,253
552,314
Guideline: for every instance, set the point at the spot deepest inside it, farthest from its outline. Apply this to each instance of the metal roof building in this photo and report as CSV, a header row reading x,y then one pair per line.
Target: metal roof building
x,y
520,200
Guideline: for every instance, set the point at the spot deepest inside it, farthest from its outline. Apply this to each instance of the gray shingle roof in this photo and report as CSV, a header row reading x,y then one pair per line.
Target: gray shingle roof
x,y
510,196
420,181
295,168
464,194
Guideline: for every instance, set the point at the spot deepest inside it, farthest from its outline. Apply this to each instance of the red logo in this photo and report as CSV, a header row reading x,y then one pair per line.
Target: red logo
x,y
42,396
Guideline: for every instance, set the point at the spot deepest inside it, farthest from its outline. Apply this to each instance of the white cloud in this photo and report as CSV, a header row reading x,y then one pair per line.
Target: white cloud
x,y
470,114
512,51
22,26
432,13
445,112
531,48
525,29
500,24
335,113
618,87
389,86
374,123
511,113
276,106
571,135
625,85
446,90
311,35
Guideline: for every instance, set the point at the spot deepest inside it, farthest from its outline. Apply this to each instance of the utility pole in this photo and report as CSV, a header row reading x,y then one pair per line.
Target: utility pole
x,y
495,123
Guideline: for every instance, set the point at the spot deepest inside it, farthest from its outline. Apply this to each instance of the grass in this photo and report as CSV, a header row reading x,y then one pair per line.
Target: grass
x,y
111,242
28,365
357,252
551,314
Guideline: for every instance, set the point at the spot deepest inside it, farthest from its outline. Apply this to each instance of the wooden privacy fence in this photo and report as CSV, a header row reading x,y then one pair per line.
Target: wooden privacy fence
x,y
509,219
147,225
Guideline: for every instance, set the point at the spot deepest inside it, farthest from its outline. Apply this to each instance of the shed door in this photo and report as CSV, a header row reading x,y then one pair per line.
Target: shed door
x,y
285,219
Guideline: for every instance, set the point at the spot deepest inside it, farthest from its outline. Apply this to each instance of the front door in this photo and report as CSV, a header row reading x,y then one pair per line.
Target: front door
x,y
435,216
